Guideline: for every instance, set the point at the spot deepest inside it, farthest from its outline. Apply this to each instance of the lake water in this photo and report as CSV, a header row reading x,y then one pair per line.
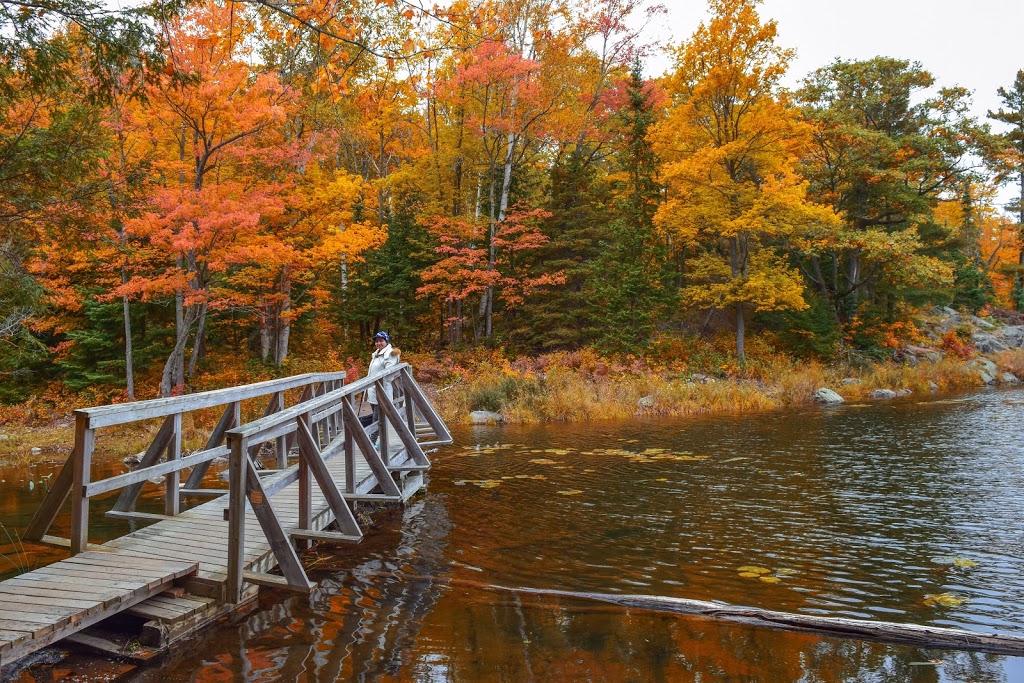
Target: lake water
x,y
906,511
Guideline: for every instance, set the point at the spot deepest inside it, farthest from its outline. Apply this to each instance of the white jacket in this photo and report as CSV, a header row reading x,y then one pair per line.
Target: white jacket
x,y
381,360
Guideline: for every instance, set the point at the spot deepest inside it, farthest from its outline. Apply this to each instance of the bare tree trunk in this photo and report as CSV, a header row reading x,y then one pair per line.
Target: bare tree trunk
x,y
171,377
181,334
265,330
284,324
740,335
197,345
129,365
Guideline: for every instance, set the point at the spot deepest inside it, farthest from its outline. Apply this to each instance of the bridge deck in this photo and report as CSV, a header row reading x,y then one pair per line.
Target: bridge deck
x,y
201,534
45,605
218,552
130,572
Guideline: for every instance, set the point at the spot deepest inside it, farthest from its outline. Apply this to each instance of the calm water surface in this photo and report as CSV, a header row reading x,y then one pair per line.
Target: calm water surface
x,y
883,511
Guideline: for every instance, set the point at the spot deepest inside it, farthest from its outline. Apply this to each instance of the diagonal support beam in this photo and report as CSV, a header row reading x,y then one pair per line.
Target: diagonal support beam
x,y
310,454
373,459
229,420
414,392
405,434
42,520
262,507
130,494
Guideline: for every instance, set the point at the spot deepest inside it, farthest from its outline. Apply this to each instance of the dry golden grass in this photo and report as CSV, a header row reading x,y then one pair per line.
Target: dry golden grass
x,y
572,386
563,393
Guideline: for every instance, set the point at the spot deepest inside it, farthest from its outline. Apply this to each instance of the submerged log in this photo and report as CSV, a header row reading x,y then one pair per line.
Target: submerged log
x,y
838,627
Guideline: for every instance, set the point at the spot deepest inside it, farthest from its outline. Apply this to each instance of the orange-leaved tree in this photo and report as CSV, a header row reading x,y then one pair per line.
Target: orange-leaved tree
x,y
223,166
731,146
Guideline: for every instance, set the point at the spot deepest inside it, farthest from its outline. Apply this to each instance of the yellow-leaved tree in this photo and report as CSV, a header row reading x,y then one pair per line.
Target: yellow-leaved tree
x,y
730,146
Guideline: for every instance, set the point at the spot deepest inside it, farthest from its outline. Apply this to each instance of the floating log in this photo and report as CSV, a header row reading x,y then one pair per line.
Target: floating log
x,y
838,627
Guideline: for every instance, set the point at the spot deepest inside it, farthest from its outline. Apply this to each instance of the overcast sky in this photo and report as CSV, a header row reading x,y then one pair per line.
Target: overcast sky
x,y
978,44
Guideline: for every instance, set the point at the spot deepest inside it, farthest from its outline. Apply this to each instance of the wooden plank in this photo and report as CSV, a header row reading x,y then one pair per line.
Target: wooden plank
x,y
146,611
212,493
32,629
42,520
126,501
405,435
324,536
59,542
81,581
82,462
270,581
37,596
310,454
57,612
238,475
230,418
126,560
141,475
370,454
172,480
287,560
106,416
423,405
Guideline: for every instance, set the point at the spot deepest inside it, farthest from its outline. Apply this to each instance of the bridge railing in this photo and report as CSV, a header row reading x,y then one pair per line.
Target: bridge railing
x,y
164,454
325,427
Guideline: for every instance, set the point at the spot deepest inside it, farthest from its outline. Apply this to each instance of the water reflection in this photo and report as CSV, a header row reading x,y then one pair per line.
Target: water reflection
x,y
855,511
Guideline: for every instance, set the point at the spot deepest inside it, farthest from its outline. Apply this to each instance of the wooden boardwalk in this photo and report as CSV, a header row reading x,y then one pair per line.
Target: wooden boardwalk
x,y
191,566
48,604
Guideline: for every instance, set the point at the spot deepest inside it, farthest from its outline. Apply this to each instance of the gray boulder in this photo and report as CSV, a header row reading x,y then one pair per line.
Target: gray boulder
x,y
987,343
882,393
932,386
826,396
985,369
923,352
904,392
1012,336
485,417
1008,378
848,381
645,402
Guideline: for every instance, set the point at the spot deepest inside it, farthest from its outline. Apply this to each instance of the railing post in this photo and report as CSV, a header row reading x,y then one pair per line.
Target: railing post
x,y
281,445
382,427
305,491
350,454
172,480
237,483
410,408
84,436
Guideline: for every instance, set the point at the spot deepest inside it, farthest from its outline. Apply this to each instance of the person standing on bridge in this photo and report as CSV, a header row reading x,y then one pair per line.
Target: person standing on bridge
x,y
384,358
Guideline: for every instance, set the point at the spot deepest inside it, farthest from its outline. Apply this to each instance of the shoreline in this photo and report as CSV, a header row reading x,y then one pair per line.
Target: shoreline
x,y
575,387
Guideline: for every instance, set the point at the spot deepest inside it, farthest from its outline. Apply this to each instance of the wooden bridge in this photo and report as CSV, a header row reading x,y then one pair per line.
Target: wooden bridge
x,y
192,565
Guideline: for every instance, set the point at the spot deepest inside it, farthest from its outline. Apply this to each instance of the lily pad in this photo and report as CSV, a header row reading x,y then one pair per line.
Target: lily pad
x,y
770,579
570,492
757,571
944,600
544,461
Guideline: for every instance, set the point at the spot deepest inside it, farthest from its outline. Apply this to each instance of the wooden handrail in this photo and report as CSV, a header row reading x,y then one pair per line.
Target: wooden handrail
x,y
270,426
75,478
123,413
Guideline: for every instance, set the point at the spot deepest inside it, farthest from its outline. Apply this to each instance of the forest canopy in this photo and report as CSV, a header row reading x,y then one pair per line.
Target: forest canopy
x,y
217,183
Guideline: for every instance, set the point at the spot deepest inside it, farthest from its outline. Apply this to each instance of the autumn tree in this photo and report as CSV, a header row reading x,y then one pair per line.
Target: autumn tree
x,y
1010,162
731,146
883,155
217,123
